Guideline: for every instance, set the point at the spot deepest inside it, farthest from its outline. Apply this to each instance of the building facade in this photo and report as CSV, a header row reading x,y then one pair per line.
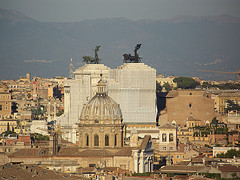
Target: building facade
x,y
188,107
100,124
132,86
5,105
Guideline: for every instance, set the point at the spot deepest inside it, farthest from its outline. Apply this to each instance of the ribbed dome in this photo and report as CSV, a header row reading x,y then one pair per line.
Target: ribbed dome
x,y
101,106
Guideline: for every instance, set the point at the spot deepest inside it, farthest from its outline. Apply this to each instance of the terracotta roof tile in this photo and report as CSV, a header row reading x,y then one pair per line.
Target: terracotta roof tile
x,y
95,153
33,152
89,169
181,168
127,151
145,142
185,163
229,168
22,172
69,151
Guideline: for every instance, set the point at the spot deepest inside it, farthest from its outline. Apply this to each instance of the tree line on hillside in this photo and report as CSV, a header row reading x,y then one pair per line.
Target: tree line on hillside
x,y
222,86
182,82
190,83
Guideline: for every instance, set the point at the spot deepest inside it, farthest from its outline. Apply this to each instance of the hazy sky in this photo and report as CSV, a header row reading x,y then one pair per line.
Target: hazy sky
x,y
78,10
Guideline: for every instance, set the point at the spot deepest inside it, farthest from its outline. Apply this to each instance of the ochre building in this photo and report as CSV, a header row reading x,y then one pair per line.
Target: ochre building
x,y
183,104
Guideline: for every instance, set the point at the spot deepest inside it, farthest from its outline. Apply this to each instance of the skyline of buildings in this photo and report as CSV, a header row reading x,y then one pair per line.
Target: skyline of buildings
x,y
65,110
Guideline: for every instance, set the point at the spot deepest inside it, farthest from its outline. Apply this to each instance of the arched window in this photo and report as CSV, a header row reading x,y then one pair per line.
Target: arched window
x,y
170,137
87,140
106,140
96,140
164,137
115,140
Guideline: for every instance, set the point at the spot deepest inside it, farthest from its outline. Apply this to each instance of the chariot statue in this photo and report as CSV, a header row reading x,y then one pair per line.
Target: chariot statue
x,y
91,60
128,58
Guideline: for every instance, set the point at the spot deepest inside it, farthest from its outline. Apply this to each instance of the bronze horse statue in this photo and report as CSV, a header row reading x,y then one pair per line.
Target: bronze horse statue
x,y
91,60
128,58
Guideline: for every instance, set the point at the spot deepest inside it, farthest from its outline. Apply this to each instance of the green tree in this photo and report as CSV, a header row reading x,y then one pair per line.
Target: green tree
x,y
39,111
186,82
206,85
59,113
234,175
158,87
167,87
229,154
14,107
6,133
38,136
29,95
231,106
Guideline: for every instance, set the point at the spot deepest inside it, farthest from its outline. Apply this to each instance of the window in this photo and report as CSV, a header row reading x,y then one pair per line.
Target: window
x,y
177,156
96,121
0,107
96,140
115,140
164,137
190,105
171,148
170,137
106,140
165,148
87,140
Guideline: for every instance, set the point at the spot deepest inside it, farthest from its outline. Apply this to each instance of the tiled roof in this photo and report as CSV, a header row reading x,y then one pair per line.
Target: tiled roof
x,y
229,168
127,151
185,163
236,94
69,151
205,150
33,152
145,142
173,93
89,169
75,151
181,169
95,153
22,172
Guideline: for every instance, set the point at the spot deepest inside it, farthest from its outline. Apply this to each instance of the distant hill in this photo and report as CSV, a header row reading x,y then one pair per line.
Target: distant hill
x,y
177,46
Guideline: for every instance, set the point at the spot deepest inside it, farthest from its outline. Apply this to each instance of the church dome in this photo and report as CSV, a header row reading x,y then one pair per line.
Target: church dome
x,y
101,107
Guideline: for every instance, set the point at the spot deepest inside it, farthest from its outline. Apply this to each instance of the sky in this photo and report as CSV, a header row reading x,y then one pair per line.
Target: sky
x,y
79,10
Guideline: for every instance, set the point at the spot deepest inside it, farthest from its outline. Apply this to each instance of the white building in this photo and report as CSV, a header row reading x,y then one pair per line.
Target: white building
x,y
131,85
134,88
39,126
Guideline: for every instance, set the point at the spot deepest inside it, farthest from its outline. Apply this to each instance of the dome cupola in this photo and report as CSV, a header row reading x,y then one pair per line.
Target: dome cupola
x,y
101,108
